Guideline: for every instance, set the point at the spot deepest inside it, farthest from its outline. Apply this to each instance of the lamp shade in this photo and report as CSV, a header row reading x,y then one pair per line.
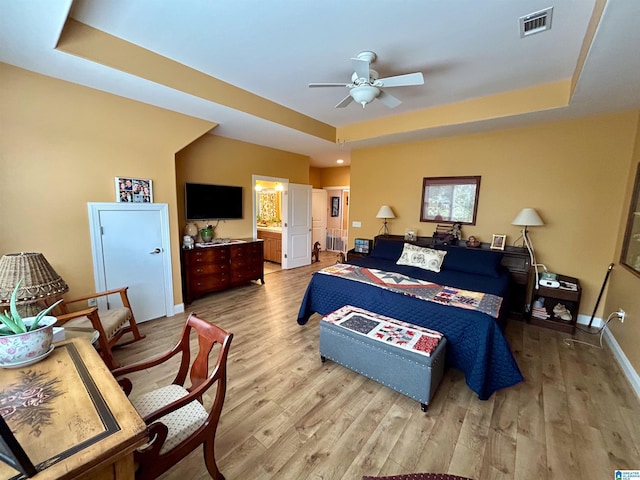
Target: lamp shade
x,y
385,212
528,217
40,280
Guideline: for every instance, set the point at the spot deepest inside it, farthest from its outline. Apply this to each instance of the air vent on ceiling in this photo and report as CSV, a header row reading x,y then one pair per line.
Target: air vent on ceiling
x,y
535,22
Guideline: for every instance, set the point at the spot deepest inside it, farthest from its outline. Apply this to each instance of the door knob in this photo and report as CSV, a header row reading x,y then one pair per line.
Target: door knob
x,y
156,251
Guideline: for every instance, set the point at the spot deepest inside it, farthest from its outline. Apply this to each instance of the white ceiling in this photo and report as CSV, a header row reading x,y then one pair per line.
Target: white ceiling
x,y
465,49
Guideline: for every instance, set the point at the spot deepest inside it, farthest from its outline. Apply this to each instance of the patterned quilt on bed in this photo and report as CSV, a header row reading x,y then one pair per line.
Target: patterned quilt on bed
x,y
432,292
386,329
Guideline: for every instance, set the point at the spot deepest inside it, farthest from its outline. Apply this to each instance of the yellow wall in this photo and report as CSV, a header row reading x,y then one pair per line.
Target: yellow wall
x,y
223,161
335,177
571,172
315,179
61,145
329,177
624,287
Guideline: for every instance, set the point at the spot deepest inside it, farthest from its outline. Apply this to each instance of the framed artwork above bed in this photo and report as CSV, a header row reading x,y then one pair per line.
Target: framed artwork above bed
x,y
450,199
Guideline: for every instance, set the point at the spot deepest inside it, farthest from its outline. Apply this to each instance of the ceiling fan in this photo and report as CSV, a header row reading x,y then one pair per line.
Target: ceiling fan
x,y
365,85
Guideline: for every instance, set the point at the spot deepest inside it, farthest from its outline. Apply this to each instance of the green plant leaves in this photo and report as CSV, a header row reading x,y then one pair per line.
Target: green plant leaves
x,y
12,319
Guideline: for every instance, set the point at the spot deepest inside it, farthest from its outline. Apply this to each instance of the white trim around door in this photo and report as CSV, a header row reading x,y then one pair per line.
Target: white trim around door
x,y
94,209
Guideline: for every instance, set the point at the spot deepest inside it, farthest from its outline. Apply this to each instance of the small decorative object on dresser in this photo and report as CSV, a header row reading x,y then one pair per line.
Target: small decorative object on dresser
x,y
473,242
187,242
443,235
498,242
206,233
191,229
410,234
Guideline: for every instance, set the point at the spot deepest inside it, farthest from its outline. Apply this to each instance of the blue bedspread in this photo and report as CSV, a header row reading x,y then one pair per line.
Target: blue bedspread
x,y
476,344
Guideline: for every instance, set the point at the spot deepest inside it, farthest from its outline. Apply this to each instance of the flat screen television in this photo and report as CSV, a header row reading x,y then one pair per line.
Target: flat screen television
x,y
212,202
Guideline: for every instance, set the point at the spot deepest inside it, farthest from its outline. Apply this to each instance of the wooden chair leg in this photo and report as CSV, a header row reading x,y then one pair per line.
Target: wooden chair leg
x,y
103,342
210,460
133,325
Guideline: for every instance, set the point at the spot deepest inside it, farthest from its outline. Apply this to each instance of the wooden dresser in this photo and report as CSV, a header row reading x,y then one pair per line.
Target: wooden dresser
x,y
221,266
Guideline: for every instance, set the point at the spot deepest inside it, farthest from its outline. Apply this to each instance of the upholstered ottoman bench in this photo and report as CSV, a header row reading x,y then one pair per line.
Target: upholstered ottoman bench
x,y
405,357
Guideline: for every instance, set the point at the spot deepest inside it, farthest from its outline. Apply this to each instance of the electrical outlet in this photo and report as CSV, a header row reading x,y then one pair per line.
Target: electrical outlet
x,y
92,302
621,315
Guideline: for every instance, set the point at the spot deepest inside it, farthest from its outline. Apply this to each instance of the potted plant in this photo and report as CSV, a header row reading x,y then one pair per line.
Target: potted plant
x,y
24,340
206,233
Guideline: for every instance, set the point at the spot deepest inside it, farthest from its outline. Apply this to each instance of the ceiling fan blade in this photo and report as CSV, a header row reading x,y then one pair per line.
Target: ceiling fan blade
x,y
388,99
344,102
361,67
315,85
405,80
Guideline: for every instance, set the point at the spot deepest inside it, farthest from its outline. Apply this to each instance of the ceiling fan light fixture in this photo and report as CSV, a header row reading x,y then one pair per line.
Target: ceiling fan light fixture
x,y
364,94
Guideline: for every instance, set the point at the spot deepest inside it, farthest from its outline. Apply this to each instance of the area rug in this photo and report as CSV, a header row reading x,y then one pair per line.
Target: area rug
x,y
420,476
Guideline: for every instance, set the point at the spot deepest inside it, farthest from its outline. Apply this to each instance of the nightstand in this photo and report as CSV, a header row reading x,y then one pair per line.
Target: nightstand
x,y
569,296
352,255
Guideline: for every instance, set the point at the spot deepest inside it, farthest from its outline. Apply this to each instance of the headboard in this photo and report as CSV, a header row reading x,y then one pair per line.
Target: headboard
x,y
514,259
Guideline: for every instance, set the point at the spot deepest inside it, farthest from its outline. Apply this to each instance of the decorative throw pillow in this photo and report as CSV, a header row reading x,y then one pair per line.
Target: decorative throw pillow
x,y
421,257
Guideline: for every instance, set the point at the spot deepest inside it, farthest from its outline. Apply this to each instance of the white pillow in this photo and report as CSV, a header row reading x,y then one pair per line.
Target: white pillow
x,y
421,257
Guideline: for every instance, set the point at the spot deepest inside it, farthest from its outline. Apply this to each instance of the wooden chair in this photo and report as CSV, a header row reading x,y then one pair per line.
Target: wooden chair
x,y
111,324
176,417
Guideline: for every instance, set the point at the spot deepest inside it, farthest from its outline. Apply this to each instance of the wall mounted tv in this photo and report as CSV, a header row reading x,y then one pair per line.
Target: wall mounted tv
x,y
212,202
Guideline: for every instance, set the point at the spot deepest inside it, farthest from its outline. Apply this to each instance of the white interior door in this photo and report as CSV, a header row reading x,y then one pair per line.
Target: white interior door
x,y
296,234
132,249
319,217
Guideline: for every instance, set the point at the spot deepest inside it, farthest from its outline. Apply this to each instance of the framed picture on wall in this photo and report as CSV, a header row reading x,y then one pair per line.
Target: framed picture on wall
x,y
335,206
134,190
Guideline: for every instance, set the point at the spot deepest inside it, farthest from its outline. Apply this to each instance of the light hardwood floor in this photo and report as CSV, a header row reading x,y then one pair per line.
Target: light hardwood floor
x,y
287,416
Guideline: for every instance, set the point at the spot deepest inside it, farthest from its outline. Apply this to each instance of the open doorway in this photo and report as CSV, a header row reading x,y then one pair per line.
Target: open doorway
x,y
284,214
337,219
268,219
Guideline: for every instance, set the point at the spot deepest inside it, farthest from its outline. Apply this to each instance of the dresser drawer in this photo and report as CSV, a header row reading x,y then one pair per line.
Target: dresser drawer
x,y
206,255
209,283
239,251
208,269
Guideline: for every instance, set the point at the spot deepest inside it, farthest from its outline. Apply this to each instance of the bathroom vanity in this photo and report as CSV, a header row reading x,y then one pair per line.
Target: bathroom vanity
x,y
272,237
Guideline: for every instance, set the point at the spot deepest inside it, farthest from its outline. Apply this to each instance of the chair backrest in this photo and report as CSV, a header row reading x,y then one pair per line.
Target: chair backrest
x,y
208,336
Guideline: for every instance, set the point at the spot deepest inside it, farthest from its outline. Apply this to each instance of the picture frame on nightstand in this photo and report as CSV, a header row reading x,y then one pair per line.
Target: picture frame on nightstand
x,y
362,245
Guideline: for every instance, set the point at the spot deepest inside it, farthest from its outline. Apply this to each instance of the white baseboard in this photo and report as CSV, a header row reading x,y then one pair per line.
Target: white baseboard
x,y
585,319
623,361
178,308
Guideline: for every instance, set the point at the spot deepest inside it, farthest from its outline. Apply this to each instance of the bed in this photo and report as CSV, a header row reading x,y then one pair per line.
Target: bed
x,y
476,343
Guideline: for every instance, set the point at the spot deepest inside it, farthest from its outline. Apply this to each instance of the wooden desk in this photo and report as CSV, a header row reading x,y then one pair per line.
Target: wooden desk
x,y
76,423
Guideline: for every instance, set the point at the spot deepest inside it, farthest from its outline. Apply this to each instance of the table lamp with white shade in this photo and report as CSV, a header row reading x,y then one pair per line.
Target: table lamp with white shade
x,y
386,213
